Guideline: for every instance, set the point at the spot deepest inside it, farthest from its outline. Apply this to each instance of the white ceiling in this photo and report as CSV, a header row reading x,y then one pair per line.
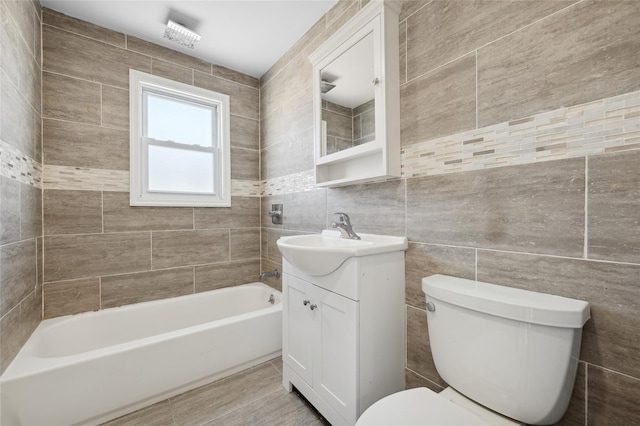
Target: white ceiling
x,y
244,35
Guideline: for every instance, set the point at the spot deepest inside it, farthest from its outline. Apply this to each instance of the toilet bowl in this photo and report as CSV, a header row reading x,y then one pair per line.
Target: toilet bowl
x,y
422,406
509,356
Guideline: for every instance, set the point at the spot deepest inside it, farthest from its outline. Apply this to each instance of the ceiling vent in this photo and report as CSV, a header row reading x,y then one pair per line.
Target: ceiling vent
x,y
181,35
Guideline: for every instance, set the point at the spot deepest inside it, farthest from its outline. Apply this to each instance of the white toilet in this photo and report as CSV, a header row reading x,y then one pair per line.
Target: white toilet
x,y
500,349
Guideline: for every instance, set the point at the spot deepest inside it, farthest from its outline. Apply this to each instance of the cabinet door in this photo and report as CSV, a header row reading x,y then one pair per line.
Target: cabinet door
x,y
336,368
298,327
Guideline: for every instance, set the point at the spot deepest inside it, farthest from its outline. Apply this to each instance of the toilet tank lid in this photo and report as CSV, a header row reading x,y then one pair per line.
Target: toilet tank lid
x,y
507,302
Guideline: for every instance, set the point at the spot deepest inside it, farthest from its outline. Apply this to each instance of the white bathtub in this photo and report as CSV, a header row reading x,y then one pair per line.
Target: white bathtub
x,y
93,367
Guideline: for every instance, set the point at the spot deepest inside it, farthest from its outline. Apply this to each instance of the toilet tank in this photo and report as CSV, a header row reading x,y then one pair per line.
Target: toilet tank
x,y
513,351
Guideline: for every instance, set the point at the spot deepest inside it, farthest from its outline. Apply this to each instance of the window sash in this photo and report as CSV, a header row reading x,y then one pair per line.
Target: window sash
x,y
182,99
146,141
215,151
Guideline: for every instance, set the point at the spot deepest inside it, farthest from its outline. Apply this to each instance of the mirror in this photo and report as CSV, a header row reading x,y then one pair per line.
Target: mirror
x,y
356,99
348,102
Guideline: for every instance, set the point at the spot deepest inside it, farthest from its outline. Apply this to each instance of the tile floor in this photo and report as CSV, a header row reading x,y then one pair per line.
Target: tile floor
x,y
251,397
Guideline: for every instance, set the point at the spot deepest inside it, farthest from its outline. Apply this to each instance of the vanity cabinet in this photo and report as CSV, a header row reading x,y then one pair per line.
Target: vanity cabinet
x,y
343,334
313,336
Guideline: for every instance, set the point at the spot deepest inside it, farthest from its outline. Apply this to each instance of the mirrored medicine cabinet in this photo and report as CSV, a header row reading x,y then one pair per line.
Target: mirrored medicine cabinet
x,y
356,99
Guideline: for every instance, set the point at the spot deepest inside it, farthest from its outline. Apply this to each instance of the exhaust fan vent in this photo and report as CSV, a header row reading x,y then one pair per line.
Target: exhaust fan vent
x,y
181,35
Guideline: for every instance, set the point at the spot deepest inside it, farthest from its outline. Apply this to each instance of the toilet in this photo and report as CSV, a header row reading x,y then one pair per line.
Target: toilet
x,y
508,355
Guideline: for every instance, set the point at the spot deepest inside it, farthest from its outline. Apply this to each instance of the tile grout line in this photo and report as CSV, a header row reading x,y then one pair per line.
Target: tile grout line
x,y
172,268
211,73
420,375
260,171
35,290
525,253
101,104
20,216
406,208
151,250
628,376
143,231
586,207
60,120
61,74
477,106
41,270
406,51
586,394
22,96
406,332
476,250
418,10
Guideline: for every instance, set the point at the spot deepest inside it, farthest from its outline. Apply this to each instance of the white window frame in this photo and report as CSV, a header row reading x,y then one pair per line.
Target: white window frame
x,y
139,82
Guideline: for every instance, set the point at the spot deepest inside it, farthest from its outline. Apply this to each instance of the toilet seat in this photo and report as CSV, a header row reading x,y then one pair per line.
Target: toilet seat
x,y
419,406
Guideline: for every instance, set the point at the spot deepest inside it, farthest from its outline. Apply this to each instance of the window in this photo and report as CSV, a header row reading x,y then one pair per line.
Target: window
x,y
180,153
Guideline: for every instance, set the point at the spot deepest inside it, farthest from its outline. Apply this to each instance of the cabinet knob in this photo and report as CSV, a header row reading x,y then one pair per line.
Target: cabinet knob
x,y
306,302
312,307
431,307
376,81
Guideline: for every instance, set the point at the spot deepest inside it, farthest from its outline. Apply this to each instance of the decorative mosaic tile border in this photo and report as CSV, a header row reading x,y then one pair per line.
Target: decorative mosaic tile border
x,y
87,179
16,165
296,182
607,125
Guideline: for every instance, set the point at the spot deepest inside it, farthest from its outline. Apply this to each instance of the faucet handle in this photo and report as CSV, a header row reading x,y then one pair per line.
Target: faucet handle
x,y
344,218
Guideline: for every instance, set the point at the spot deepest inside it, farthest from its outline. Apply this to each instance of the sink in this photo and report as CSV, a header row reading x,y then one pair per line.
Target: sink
x,y
321,254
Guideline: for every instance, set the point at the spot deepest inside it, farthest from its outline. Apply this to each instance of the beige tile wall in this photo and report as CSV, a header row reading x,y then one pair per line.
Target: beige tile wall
x,y
339,121
348,127
563,218
20,176
99,251
566,227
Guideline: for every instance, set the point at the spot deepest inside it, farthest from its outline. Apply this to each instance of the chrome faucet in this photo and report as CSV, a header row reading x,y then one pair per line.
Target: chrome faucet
x,y
344,226
266,275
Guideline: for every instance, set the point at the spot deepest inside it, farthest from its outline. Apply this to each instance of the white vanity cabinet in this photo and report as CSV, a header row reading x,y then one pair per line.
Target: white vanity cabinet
x,y
313,336
343,334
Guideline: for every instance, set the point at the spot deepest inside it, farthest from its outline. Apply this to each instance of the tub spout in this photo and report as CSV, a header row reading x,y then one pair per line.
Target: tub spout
x,y
266,275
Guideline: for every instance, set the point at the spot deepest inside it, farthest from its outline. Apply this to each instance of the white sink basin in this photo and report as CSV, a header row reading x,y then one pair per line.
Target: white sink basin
x,y
321,254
